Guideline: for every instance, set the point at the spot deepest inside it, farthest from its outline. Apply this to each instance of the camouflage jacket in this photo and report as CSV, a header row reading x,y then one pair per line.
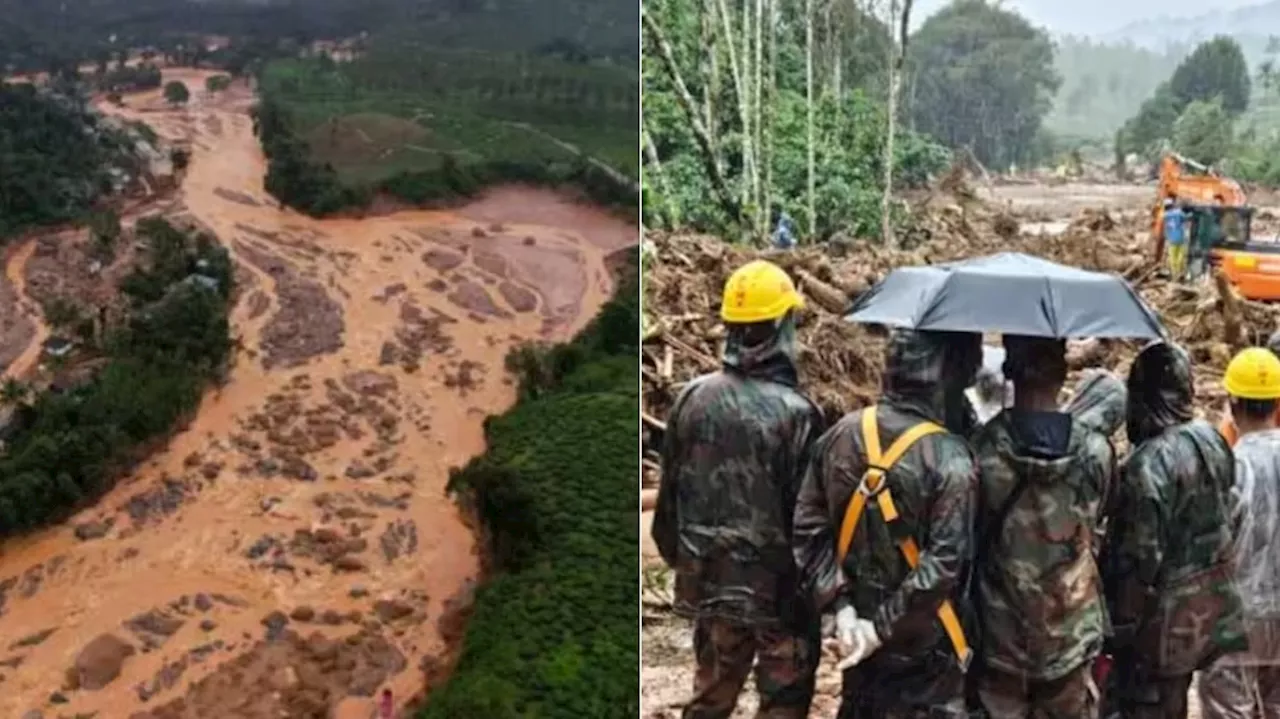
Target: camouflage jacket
x,y
1167,562
735,449
933,486
1038,591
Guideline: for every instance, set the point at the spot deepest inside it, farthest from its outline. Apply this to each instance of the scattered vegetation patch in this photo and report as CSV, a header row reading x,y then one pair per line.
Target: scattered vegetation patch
x,y
553,633
432,125
69,444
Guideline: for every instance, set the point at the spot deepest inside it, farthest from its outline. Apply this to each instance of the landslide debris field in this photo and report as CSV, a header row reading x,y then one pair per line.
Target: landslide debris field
x,y
841,363
305,500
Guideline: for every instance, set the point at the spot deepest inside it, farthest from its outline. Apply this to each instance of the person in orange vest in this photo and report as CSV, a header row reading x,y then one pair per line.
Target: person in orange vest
x,y
1228,426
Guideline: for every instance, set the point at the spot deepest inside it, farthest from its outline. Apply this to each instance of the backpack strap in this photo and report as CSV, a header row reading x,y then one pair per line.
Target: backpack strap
x,y
873,485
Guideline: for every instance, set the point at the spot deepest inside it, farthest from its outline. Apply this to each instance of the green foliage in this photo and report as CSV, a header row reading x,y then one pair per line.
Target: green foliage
x,y
983,77
1203,132
217,83
68,446
176,92
1215,71
849,129
428,125
554,633
130,79
54,158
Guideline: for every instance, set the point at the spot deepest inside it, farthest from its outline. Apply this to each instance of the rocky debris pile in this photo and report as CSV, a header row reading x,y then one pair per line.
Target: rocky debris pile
x,y
307,322
289,676
841,362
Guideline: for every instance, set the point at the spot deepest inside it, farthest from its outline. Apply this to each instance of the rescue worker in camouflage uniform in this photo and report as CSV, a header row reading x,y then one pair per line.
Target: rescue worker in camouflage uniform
x,y
1045,478
1166,561
735,450
896,575
1245,685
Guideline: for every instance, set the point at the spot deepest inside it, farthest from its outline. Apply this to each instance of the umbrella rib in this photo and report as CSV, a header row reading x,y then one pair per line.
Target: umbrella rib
x,y
1050,310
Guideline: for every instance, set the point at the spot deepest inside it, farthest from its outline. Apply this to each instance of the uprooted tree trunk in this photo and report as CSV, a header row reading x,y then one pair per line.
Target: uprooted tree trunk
x,y
710,157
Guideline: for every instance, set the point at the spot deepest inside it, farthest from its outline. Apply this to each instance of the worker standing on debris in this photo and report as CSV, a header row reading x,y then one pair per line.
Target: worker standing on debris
x,y
1247,684
883,528
734,454
1045,478
1175,236
1166,563
1228,426
784,230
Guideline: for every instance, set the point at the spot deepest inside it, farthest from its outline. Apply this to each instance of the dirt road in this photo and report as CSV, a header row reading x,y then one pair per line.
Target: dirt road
x,y
307,493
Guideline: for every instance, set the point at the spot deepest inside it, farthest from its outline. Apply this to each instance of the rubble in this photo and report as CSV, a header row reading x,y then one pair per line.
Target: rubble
x,y
841,362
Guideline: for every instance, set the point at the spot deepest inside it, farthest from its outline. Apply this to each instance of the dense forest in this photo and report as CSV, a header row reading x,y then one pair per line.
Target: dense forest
x,y
67,446
553,633
56,158
791,110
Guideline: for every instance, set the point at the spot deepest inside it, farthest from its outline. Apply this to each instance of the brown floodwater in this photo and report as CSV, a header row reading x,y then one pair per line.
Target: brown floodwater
x,y
368,278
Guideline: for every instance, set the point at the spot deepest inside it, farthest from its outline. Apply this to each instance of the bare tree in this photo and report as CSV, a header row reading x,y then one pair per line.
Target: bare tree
x,y
897,57
710,156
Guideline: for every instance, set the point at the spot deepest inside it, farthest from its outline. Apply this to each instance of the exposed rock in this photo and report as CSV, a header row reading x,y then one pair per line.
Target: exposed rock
x,y
203,602
99,662
349,563
275,622
94,530
35,639
208,625
389,610
359,470
303,613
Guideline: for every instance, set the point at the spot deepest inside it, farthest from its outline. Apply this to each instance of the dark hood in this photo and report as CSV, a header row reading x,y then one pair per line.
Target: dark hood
x,y
773,359
1099,401
928,372
1160,391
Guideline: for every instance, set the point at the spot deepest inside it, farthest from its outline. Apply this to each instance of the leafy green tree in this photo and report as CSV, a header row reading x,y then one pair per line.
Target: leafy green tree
x,y
983,77
176,92
217,83
1215,69
1203,132
13,392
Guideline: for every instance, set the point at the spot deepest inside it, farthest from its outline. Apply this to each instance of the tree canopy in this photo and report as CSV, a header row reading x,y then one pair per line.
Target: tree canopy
x,y
1214,72
176,92
983,77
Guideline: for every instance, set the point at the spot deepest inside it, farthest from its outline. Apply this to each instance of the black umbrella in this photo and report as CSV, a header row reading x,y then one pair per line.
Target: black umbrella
x,y
1008,293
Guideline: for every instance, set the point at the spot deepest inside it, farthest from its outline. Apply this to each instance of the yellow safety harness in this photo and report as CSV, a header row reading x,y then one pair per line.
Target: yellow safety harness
x,y
873,484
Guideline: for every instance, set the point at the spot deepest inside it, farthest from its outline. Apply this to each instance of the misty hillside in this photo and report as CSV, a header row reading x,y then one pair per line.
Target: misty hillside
x,y
1249,25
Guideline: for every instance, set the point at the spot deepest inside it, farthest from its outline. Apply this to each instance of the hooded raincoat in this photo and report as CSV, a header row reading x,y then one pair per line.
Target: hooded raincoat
x,y
1256,518
1167,560
736,446
1045,480
933,487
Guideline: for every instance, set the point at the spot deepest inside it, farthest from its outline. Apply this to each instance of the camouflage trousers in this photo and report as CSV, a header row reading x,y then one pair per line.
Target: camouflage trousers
x,y
1146,697
1240,692
929,690
1007,696
786,666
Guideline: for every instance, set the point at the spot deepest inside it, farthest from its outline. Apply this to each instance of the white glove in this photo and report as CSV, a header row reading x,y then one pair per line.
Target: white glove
x,y
846,629
864,643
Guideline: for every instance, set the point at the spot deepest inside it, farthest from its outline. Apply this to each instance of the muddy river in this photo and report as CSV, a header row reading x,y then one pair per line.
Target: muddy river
x,y
311,484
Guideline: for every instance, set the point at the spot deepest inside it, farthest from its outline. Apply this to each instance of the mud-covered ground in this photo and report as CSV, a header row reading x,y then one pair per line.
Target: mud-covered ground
x,y
304,502
1098,226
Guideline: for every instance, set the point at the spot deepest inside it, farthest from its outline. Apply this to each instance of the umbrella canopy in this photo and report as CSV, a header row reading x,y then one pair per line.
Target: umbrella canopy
x,y
1009,293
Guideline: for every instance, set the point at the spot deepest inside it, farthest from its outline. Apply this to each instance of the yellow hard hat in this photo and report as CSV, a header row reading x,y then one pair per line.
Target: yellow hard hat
x,y
757,292
1254,373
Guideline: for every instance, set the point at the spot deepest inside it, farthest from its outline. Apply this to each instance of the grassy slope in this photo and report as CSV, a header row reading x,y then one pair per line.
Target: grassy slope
x,y
349,113
554,633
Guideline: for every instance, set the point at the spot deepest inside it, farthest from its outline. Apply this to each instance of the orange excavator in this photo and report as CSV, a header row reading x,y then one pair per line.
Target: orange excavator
x,y
1220,219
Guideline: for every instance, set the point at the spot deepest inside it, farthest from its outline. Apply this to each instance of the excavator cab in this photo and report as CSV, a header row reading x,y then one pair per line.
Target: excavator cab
x,y
1251,265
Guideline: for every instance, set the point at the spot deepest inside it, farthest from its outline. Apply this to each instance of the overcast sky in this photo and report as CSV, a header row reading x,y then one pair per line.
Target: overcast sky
x,y
1089,17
